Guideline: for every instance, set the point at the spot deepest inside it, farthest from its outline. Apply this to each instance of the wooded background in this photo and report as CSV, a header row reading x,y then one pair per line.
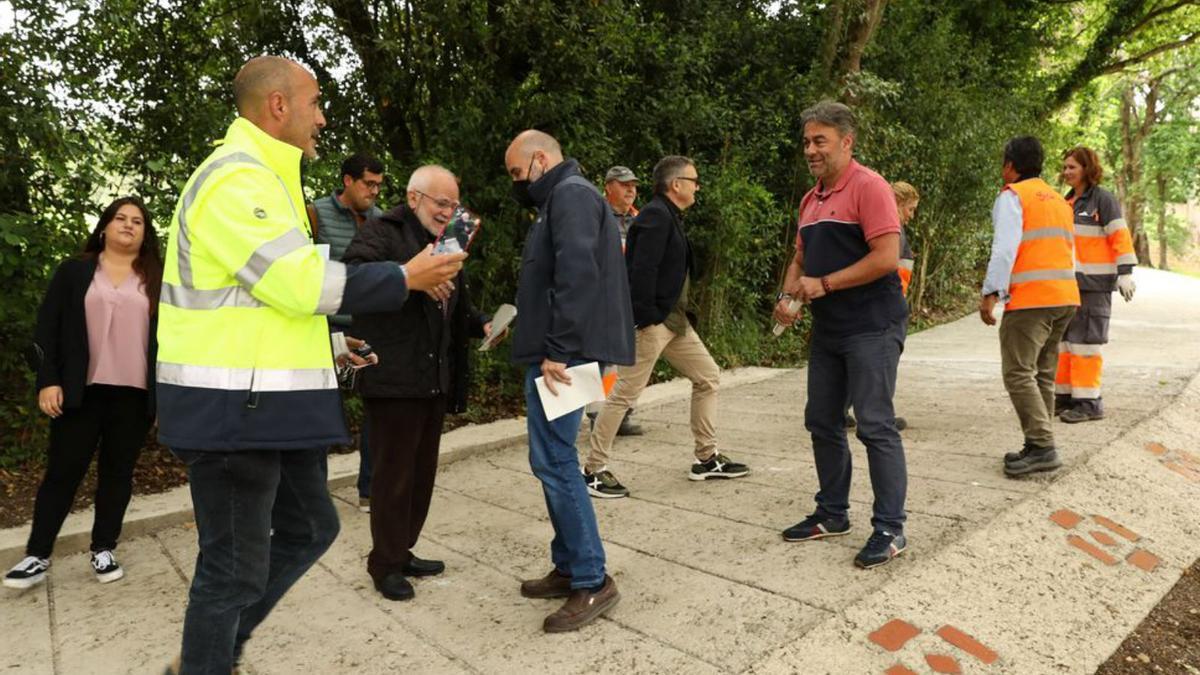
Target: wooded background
x,y
103,98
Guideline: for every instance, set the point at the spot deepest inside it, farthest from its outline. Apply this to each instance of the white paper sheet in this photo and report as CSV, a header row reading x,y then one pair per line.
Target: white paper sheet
x,y
501,320
586,387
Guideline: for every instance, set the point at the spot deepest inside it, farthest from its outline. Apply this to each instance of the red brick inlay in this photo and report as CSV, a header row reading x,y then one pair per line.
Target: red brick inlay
x,y
1090,549
1066,518
893,634
1103,538
1117,527
899,669
943,664
1156,449
968,644
1143,560
1185,471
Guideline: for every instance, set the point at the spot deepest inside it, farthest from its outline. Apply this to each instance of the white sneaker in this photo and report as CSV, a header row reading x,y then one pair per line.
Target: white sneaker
x,y
106,567
29,572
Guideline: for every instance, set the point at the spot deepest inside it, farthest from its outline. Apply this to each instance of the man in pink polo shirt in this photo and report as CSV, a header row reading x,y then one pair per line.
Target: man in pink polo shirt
x,y
844,268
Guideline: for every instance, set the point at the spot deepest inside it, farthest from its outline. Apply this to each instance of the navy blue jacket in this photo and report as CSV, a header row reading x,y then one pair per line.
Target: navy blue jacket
x,y
573,292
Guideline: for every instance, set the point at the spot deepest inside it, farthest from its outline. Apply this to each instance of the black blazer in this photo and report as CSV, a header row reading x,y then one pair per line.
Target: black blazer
x,y
422,349
59,354
659,257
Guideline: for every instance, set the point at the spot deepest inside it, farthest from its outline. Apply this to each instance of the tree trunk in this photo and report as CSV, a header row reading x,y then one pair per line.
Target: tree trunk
x,y
1160,182
1133,136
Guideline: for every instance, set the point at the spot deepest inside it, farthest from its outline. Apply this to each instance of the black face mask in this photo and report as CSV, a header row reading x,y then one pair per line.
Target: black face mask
x,y
520,189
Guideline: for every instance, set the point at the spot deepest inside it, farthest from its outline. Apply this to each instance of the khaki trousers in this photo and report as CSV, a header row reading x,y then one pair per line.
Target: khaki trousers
x,y
1028,359
686,354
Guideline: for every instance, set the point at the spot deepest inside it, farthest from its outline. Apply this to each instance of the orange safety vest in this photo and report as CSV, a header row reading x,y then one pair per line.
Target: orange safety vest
x,y
1043,274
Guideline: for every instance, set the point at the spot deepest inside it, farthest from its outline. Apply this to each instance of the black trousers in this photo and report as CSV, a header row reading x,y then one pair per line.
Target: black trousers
x,y
405,436
113,419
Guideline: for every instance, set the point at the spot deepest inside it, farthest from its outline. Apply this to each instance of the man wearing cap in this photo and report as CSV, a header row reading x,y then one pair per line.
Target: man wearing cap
x,y
620,190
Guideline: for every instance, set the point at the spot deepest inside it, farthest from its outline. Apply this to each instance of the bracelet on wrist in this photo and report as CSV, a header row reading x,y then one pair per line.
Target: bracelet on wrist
x,y
825,284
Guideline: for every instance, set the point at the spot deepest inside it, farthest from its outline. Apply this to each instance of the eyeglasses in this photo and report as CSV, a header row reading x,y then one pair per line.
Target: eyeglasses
x,y
438,202
372,185
694,180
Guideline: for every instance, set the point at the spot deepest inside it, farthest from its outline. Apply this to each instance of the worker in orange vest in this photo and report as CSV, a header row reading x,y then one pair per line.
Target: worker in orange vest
x,y
1032,271
1104,262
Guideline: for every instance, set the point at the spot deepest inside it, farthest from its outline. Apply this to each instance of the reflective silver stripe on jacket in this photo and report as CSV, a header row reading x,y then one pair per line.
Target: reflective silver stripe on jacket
x,y
906,263
1127,259
1096,268
245,379
1042,275
1114,225
1090,231
215,298
185,243
1047,233
333,288
262,258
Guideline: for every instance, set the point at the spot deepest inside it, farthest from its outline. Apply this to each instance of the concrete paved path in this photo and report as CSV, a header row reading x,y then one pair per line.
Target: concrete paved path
x,y
1043,575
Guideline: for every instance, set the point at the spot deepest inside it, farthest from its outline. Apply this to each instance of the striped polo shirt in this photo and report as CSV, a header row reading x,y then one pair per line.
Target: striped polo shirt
x,y
833,230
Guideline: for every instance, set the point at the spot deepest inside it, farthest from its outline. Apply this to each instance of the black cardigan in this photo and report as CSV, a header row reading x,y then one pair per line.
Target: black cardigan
x,y
59,354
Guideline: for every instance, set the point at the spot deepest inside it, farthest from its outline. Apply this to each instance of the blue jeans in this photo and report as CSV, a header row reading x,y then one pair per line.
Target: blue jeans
x,y
243,569
862,369
364,458
576,549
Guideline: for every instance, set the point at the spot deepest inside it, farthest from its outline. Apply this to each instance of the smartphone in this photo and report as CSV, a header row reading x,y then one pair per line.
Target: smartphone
x,y
458,234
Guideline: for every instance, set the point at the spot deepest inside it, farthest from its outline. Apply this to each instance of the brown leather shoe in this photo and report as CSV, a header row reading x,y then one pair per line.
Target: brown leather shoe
x,y
553,585
582,608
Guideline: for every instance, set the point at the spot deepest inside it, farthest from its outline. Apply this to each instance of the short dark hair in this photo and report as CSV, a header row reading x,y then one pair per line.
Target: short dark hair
x,y
1026,156
356,164
668,169
831,114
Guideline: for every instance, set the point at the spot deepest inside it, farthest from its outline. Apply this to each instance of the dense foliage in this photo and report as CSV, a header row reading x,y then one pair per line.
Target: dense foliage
x,y
107,97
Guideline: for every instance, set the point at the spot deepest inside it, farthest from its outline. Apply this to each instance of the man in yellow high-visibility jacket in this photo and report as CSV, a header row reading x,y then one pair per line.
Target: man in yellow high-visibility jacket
x,y
247,395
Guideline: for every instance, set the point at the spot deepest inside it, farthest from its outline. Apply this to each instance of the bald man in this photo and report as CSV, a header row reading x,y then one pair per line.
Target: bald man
x,y
573,308
421,376
247,395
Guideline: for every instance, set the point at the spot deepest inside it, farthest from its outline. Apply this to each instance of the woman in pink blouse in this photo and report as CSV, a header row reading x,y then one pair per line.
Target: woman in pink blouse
x,y
94,349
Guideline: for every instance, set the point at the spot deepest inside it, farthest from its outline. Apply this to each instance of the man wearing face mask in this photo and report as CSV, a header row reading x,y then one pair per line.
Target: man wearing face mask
x,y
573,308
247,395
422,375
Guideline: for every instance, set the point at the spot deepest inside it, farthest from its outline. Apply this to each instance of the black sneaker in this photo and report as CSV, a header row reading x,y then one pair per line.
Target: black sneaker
x,y
816,527
629,427
29,572
604,485
880,549
1035,459
107,569
718,466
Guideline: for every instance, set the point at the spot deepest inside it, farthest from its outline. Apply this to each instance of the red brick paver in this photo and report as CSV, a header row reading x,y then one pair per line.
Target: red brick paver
x,y
1156,449
899,669
943,664
1103,538
1090,549
1117,527
1066,518
968,644
893,634
1143,560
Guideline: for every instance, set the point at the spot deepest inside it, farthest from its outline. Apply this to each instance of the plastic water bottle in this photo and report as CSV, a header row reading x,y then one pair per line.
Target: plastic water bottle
x,y
792,308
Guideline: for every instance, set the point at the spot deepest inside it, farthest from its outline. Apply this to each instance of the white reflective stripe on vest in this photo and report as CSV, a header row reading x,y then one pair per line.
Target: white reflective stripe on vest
x,y
333,288
1090,231
1042,275
262,258
213,298
906,263
1096,268
246,379
1047,233
185,243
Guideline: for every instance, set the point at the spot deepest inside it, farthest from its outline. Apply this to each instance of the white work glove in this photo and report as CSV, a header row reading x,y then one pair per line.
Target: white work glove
x,y
1126,286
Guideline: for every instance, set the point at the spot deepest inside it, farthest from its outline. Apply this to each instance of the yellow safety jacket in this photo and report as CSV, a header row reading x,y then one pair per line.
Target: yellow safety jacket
x,y
244,359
